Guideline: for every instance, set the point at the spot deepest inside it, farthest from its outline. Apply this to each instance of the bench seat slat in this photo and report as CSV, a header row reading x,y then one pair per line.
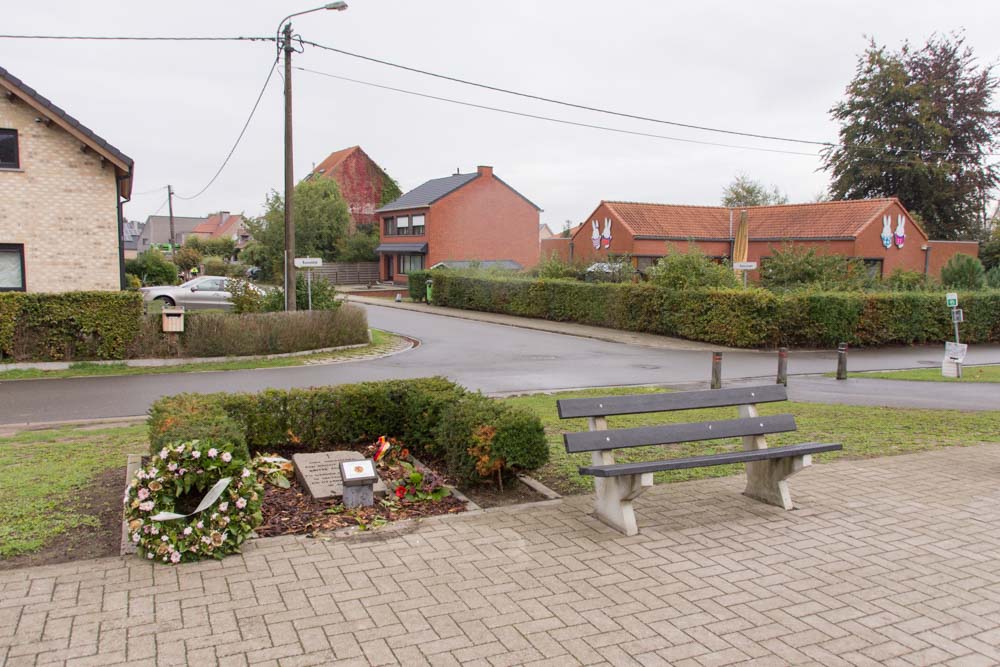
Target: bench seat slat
x,y
588,441
681,400
710,460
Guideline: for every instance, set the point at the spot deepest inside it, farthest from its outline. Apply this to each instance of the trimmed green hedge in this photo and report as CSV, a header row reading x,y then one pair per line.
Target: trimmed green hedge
x,y
73,325
751,318
421,413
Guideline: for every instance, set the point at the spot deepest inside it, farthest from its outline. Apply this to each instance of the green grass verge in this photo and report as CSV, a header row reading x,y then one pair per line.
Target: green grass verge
x,y
864,431
969,374
381,341
40,471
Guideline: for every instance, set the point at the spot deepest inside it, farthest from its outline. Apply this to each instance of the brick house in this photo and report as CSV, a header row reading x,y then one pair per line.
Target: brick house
x,y
456,220
224,225
879,231
61,191
156,231
361,182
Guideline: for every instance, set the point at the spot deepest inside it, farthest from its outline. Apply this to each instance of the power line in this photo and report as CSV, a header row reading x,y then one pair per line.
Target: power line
x,y
148,192
561,121
705,128
232,150
133,38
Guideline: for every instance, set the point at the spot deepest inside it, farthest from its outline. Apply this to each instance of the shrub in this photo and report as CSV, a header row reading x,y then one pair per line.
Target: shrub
x,y
412,411
963,272
69,325
324,295
993,277
989,252
417,283
902,280
214,266
553,267
191,417
132,282
244,297
795,267
186,258
690,270
152,268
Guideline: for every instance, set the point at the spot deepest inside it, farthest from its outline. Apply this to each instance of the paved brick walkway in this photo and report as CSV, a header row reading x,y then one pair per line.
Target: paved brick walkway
x,y
893,561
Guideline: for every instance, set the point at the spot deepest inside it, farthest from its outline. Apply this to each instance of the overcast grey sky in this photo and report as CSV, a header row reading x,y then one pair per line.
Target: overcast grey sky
x,y
765,67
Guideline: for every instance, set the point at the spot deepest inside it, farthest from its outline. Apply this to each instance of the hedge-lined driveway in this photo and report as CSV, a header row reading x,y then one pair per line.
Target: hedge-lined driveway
x,y
489,357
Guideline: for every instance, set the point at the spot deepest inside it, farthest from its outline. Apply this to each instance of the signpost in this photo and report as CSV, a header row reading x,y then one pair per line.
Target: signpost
x,y
309,263
744,267
954,353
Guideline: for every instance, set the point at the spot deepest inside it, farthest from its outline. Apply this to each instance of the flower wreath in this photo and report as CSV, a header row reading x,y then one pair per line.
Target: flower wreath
x,y
227,515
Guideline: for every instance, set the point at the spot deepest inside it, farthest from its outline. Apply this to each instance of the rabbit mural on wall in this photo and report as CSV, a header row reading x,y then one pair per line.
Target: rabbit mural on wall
x,y
595,235
606,236
900,234
887,231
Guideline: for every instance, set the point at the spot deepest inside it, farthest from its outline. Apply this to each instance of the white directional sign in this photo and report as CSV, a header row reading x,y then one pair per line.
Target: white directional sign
x,y
955,351
951,299
308,262
744,266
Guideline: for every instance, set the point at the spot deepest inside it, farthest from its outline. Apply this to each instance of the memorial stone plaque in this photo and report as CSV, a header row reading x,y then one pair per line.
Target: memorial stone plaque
x,y
319,473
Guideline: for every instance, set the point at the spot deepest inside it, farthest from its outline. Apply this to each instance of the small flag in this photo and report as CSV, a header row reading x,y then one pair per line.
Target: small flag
x,y
383,448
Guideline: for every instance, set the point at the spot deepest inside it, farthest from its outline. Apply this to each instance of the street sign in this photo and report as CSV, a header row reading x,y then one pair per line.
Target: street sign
x,y
744,266
951,299
308,262
955,351
957,315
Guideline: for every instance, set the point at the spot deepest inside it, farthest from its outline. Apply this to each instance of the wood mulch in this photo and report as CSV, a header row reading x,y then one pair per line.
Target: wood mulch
x,y
292,511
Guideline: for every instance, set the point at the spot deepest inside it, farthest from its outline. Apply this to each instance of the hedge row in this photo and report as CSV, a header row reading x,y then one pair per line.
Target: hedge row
x,y
751,318
437,420
73,325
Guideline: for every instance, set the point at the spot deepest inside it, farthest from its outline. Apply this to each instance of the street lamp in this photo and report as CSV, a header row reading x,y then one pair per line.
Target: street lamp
x,y
285,43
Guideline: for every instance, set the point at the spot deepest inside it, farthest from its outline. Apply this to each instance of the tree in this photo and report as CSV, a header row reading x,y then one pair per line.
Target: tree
x,y
360,246
152,268
187,258
321,220
963,272
220,247
745,191
918,124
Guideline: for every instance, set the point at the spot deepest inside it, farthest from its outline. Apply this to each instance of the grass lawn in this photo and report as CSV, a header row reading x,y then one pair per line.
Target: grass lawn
x,y
864,431
42,471
381,341
969,374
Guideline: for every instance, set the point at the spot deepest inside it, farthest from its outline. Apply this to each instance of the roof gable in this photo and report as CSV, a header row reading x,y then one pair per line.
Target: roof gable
x,y
429,192
122,163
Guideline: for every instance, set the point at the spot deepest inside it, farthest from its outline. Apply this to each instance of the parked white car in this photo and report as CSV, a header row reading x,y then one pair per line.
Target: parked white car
x,y
201,293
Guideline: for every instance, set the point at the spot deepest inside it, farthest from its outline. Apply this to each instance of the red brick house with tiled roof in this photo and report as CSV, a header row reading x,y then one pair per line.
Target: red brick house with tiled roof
x,y
361,182
879,231
223,225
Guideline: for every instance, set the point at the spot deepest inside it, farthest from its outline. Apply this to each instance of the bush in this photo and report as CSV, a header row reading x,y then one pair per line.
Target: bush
x,y
244,297
132,282
152,268
691,270
214,266
553,267
963,272
794,267
993,278
413,411
418,284
324,295
902,280
69,325
191,417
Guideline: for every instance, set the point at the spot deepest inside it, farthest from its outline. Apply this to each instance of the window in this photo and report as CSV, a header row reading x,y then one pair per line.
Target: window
x,y
389,225
8,150
417,225
11,267
874,267
403,225
409,263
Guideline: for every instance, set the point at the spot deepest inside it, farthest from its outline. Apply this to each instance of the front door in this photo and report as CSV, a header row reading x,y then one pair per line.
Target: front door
x,y
387,258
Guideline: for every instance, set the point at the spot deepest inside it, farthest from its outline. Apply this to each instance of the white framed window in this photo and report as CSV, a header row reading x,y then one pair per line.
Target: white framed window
x,y
409,263
12,267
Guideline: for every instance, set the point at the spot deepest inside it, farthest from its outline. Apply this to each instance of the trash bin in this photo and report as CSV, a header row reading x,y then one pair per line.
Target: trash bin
x,y
173,319
430,290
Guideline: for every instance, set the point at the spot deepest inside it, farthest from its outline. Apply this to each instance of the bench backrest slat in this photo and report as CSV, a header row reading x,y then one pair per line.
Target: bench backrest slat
x,y
681,400
589,441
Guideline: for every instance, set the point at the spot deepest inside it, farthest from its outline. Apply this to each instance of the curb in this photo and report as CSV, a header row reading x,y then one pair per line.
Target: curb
x,y
134,463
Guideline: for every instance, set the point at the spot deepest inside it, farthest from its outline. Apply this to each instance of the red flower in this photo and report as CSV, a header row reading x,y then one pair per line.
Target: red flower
x,y
400,491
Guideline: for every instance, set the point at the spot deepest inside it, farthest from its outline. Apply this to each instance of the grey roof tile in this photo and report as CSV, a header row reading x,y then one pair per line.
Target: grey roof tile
x,y
429,192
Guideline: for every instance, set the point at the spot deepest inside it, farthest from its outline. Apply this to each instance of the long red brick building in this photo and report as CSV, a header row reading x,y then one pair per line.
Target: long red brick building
x,y
879,231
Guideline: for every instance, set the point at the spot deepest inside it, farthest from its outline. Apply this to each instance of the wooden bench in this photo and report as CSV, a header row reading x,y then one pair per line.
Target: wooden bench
x,y
618,484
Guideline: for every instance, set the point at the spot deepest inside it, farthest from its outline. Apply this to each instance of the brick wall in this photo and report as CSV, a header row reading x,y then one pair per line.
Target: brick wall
x,y
942,251
61,204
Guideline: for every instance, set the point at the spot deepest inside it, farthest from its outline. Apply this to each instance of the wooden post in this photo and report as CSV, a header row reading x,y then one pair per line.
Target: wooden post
x,y
842,361
783,366
716,370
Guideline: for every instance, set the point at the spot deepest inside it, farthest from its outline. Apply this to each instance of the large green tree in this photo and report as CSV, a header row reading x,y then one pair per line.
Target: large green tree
x,y
918,124
321,221
745,191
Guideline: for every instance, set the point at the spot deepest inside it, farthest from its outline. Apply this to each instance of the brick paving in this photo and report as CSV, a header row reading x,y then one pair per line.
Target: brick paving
x,y
888,561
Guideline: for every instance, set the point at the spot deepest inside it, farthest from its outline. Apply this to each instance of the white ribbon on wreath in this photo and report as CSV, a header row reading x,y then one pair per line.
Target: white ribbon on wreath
x,y
206,502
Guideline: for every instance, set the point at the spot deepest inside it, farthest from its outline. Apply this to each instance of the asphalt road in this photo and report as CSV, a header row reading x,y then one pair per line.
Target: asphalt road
x,y
502,359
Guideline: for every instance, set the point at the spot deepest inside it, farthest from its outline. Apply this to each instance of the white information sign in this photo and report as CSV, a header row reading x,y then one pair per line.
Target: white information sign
x,y
955,351
951,299
360,471
744,266
308,262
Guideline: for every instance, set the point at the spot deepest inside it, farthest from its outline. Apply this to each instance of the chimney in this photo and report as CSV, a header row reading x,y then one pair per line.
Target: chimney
x,y
484,170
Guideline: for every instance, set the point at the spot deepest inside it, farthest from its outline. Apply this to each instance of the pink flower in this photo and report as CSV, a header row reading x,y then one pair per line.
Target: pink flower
x,y
149,555
241,503
226,456
164,453
155,530
195,453
187,531
171,466
143,494
164,538
223,507
213,452
200,525
175,557
181,471
206,539
135,538
245,473
146,506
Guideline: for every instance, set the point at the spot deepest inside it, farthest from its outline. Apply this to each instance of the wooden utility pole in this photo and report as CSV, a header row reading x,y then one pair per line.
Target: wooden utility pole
x,y
170,207
289,178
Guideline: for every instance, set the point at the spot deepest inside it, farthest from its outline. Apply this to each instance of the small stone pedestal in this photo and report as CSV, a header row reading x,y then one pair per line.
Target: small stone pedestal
x,y
359,479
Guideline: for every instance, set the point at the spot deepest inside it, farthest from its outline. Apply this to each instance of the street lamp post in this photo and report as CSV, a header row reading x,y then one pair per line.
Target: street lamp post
x,y
285,44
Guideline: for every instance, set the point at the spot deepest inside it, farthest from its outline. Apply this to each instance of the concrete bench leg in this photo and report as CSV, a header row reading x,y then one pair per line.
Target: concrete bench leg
x,y
766,479
614,500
